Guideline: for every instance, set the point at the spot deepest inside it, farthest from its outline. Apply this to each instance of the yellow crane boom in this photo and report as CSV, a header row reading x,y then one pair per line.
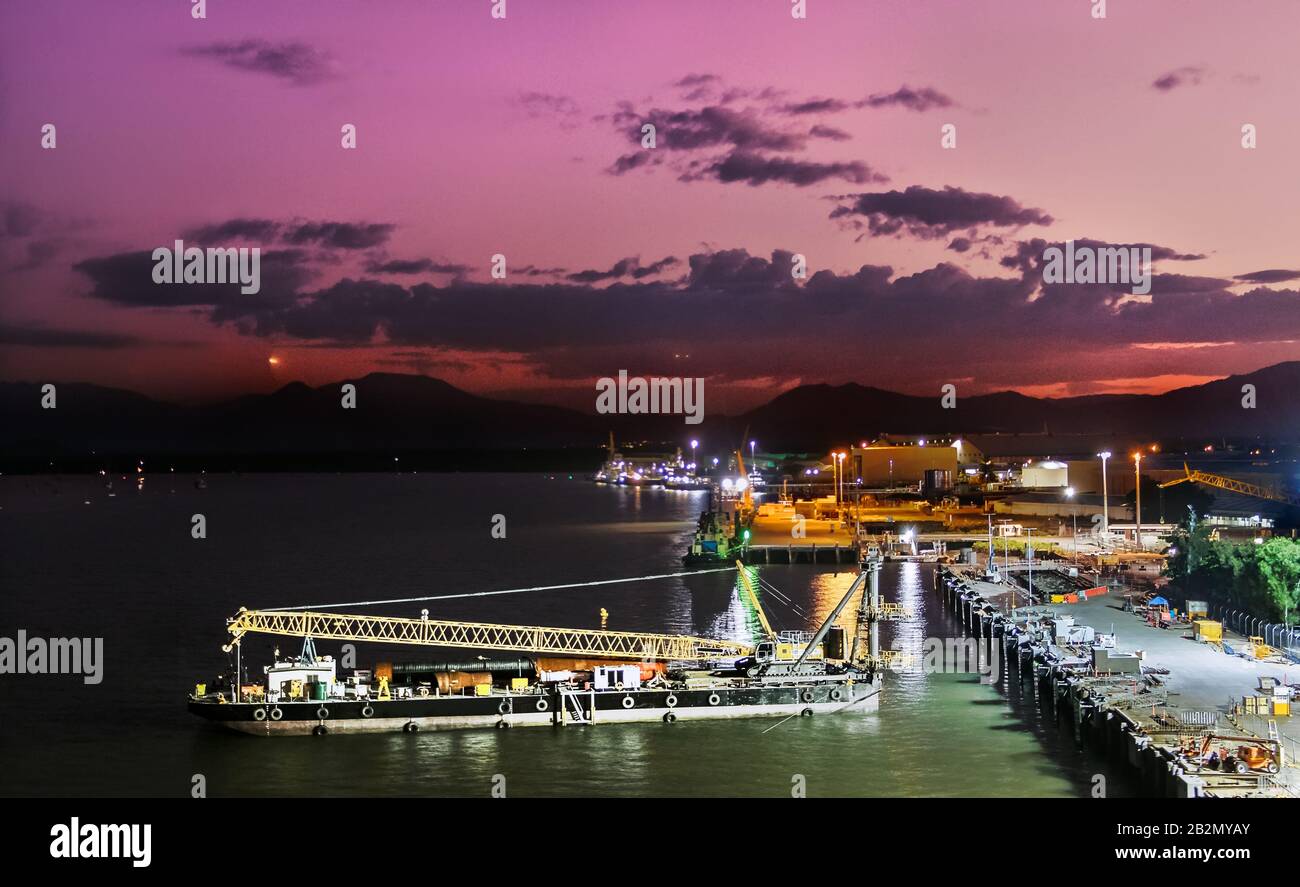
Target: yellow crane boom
x,y
753,599
481,636
1232,485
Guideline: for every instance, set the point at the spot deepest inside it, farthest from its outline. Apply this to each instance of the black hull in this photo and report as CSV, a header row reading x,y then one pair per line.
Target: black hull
x,y
467,712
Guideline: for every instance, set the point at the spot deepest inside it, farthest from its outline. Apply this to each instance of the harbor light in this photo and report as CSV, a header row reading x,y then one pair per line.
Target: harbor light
x,y
1105,499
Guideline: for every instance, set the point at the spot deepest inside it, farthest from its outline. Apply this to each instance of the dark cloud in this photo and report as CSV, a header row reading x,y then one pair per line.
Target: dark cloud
x,y
414,266
621,268
534,271
656,267
923,99
40,337
629,162
735,270
18,220
546,104
1189,75
1028,254
1273,275
755,169
127,279
297,63
693,80
262,230
338,235
829,132
698,87
1187,283
629,267
929,213
708,127
816,106
328,235
744,308
746,136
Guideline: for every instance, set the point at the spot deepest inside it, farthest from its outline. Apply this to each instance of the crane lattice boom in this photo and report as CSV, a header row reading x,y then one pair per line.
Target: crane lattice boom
x,y
482,636
1233,485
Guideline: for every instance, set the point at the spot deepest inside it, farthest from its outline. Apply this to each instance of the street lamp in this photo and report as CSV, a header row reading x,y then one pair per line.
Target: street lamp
x,y
694,443
1029,559
1074,513
839,483
751,456
1105,505
1137,504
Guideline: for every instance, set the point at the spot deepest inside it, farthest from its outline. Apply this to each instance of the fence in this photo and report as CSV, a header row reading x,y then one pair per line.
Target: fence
x,y
1275,634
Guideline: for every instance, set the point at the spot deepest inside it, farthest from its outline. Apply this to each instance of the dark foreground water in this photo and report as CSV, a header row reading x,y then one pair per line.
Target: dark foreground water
x,y
126,569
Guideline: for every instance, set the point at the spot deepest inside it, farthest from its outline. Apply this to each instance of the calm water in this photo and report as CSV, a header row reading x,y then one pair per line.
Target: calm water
x,y
126,569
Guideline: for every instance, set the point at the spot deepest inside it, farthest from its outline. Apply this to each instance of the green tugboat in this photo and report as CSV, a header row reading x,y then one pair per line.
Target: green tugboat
x,y
722,534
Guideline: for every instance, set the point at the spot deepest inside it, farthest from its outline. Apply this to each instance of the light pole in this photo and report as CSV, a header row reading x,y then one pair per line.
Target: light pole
x,y
1029,559
1137,504
751,457
993,567
1105,504
839,489
1006,561
694,443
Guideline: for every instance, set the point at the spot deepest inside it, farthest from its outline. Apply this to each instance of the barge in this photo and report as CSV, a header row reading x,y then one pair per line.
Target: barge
x,y
553,704
578,677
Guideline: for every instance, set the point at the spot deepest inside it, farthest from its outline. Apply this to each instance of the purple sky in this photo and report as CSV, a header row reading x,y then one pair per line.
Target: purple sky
x,y
775,136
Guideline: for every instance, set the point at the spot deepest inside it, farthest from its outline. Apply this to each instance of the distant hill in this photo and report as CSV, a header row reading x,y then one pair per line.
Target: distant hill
x,y
394,414
398,414
818,416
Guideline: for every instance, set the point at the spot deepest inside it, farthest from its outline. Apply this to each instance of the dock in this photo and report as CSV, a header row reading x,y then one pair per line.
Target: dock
x,y
809,553
1161,697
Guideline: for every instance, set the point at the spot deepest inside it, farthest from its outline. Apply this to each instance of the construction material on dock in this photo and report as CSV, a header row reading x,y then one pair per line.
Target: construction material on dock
x,y
1169,708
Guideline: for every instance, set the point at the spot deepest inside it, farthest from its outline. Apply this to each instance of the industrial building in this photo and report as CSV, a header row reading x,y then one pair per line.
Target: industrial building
x,y
895,461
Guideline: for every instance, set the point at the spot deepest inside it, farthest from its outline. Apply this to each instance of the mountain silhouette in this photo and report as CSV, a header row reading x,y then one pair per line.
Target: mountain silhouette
x,y
401,413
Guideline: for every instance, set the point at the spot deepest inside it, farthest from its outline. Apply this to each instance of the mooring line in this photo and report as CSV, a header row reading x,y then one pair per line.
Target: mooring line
x,y
443,597
777,724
